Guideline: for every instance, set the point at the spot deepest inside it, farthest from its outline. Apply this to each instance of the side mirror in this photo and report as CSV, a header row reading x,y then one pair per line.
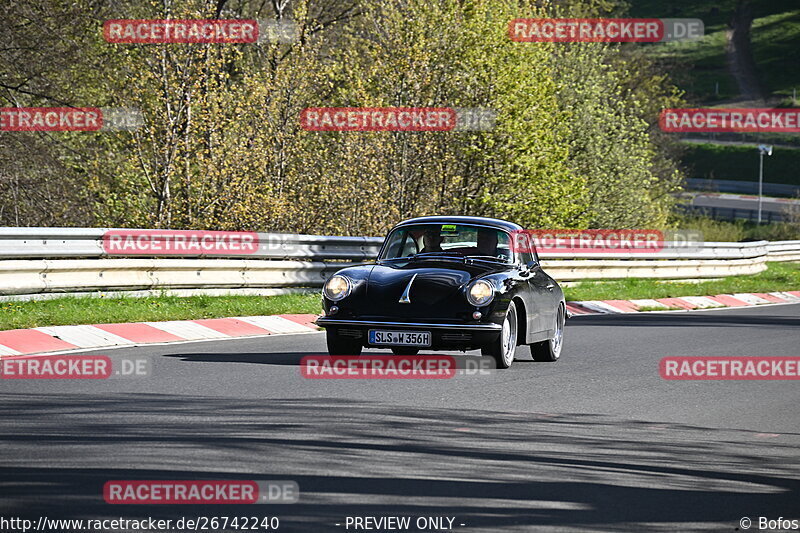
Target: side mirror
x,y
528,268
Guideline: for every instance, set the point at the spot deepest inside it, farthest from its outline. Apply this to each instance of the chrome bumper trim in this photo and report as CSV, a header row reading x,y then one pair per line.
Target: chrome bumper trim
x,y
324,321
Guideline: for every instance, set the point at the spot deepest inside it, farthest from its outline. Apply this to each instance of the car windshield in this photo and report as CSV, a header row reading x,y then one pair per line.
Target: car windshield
x,y
448,240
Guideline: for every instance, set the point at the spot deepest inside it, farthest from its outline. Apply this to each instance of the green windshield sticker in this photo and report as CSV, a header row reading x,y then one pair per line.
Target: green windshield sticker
x,y
448,228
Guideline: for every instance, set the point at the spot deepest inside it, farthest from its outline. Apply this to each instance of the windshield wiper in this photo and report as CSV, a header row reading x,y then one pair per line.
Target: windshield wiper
x,y
428,255
448,256
438,254
492,258
443,256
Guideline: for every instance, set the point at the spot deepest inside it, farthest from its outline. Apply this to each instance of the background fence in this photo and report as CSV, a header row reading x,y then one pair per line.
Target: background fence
x,y
733,213
40,262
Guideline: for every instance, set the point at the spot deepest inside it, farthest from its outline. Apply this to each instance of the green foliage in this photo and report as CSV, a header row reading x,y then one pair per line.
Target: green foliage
x,y
574,144
612,98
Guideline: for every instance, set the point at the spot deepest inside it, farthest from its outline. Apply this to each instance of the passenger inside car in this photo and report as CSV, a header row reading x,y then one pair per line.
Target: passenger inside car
x,y
487,242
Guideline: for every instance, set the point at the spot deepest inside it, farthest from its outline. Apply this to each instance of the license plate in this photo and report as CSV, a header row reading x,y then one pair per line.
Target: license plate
x,y
400,338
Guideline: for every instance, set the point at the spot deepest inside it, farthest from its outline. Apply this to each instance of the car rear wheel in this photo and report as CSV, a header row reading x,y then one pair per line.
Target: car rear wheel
x,y
505,346
550,350
338,345
404,350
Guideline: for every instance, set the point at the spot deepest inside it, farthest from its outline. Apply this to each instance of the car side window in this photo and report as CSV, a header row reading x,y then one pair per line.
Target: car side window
x,y
528,256
401,244
503,250
410,247
394,245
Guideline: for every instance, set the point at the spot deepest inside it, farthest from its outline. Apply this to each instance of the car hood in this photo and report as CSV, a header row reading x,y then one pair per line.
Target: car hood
x,y
437,288
431,284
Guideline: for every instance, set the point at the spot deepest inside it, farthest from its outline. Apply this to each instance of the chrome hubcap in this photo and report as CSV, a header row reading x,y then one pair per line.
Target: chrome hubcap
x,y
558,339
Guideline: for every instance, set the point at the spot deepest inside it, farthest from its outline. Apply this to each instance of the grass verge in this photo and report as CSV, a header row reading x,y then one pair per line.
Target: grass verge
x,y
700,66
66,311
774,35
777,277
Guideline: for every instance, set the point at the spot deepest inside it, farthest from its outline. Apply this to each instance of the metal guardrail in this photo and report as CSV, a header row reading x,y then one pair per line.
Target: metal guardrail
x,y
732,213
783,251
47,261
26,243
742,187
676,251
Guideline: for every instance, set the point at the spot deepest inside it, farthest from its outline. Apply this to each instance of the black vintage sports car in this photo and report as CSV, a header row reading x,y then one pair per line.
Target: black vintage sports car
x,y
444,283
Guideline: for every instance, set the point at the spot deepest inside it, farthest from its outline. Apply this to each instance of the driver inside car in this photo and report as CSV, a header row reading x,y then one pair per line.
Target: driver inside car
x,y
432,241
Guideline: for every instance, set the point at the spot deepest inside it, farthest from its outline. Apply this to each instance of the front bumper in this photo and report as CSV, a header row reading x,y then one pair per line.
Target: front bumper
x,y
443,336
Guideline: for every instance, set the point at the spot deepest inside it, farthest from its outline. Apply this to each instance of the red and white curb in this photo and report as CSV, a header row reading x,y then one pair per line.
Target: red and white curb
x,y
63,338
685,303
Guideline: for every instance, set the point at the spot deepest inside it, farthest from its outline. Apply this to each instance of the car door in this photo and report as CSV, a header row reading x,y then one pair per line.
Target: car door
x,y
544,290
537,298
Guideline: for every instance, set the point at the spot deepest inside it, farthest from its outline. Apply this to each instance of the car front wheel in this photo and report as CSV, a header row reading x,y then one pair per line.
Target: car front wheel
x,y
338,345
505,346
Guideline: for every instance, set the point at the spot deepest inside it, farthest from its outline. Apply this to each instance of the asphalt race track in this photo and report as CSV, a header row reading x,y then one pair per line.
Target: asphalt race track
x,y
597,441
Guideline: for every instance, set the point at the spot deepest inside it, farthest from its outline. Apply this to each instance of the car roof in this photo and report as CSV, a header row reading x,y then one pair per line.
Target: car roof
x,y
481,221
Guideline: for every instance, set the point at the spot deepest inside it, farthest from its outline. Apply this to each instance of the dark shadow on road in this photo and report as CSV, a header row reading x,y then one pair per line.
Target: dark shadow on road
x,y
295,358
491,470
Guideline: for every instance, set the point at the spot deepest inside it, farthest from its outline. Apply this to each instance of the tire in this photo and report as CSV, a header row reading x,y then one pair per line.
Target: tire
x,y
550,350
342,346
504,348
404,350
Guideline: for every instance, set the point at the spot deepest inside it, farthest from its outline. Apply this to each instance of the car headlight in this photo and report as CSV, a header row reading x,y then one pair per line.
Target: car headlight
x,y
337,288
480,293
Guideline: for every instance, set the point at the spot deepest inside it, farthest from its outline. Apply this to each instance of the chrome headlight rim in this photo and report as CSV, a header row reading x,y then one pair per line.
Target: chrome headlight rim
x,y
342,295
480,302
